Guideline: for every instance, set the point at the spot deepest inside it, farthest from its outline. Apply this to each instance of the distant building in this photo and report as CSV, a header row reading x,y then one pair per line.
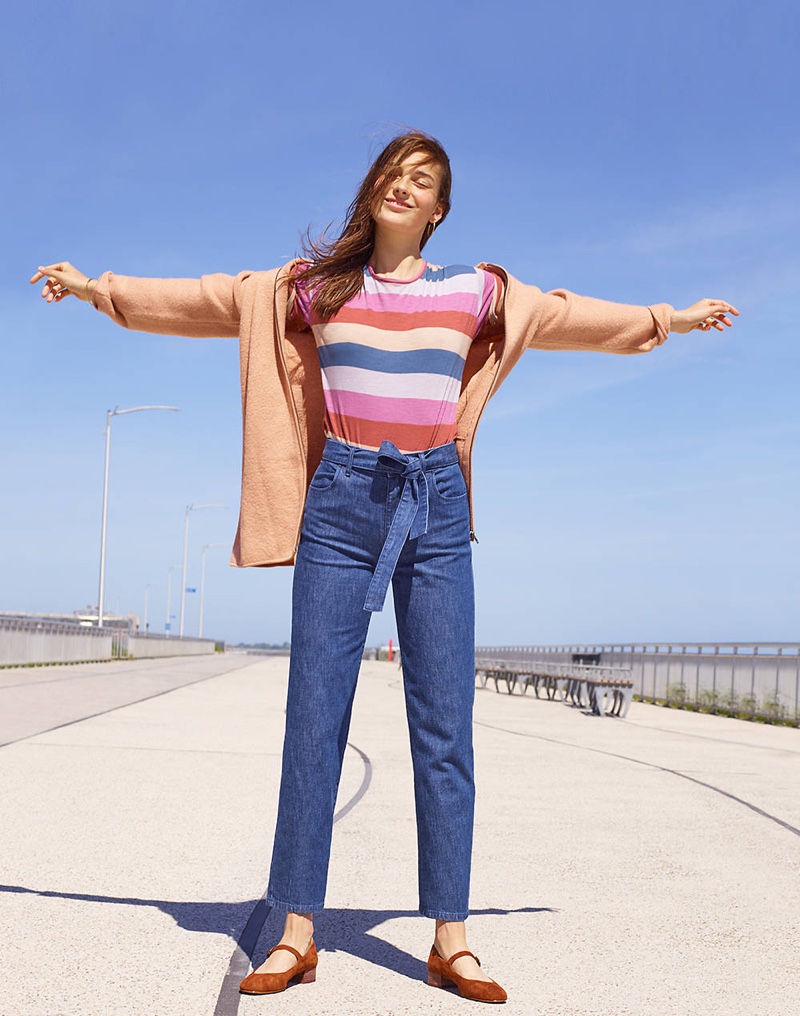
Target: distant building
x,y
86,618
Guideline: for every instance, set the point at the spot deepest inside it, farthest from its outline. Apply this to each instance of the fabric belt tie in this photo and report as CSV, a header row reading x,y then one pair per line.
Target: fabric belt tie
x,y
410,519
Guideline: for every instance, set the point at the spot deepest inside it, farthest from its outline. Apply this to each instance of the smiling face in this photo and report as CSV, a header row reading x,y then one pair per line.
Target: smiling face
x,y
409,200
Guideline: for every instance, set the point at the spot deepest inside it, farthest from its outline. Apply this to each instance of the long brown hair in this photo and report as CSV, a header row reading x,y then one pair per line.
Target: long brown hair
x,y
335,267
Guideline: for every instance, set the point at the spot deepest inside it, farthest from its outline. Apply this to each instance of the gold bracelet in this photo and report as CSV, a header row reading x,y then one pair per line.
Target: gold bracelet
x,y
88,295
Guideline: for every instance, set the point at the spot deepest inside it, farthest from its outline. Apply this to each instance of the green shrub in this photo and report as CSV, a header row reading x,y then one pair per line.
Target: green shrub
x,y
772,706
677,692
708,698
728,700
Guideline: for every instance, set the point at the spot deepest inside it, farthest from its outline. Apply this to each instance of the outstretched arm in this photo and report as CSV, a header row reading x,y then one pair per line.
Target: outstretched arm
x,y
202,308
561,319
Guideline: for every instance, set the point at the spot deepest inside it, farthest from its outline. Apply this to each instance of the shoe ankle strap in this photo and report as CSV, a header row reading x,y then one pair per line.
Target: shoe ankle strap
x,y
458,955
288,948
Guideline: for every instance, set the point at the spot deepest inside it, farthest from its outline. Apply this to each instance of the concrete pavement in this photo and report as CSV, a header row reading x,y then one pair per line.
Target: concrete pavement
x,y
645,866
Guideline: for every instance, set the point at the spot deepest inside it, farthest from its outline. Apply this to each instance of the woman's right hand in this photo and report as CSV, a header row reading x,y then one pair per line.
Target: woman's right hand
x,y
63,279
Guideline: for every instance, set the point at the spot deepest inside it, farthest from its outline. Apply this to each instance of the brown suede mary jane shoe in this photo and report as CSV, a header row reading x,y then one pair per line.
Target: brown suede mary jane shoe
x,y
303,972
441,973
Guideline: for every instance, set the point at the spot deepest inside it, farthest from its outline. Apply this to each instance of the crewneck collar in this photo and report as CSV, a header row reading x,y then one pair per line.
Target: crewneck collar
x,y
390,278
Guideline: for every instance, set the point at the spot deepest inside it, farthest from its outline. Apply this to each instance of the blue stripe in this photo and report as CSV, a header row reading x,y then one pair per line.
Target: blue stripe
x,y
448,272
438,274
415,361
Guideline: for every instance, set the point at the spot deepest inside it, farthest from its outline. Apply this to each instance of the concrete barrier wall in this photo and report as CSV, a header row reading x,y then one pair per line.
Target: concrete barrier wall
x,y
143,646
26,643
761,678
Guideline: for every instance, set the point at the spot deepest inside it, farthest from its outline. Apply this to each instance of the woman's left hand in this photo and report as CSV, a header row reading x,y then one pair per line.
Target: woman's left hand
x,y
703,315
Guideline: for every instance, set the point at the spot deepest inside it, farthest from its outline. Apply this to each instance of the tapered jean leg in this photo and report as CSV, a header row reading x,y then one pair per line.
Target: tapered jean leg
x,y
329,629
435,611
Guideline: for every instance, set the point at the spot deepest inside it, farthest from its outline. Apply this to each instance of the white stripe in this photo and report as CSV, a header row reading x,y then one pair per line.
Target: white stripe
x,y
381,338
435,387
472,284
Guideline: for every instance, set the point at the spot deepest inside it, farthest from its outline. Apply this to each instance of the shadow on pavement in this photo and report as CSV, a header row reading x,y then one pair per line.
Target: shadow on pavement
x,y
351,931
336,930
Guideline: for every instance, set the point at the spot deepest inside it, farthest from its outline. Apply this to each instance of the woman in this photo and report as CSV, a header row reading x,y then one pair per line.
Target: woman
x,y
372,368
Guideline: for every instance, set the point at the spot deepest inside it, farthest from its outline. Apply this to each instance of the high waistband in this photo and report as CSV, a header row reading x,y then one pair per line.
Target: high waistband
x,y
366,458
410,519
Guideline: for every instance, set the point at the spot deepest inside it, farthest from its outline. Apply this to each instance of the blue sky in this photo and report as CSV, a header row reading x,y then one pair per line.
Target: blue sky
x,y
631,151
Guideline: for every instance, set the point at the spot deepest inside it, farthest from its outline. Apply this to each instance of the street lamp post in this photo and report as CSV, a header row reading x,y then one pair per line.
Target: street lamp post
x,y
112,412
206,547
147,589
168,622
190,508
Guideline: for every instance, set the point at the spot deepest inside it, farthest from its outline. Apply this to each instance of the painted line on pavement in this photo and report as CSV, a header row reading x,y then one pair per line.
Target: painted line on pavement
x,y
709,737
122,705
650,765
239,965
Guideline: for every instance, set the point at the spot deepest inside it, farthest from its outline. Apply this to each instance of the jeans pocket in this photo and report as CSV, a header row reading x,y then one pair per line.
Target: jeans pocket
x,y
449,482
325,475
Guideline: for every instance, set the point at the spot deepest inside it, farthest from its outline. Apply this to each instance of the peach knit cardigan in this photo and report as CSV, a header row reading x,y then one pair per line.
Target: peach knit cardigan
x,y
282,399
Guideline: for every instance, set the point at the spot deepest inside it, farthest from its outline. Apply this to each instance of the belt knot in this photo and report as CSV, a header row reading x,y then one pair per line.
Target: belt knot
x,y
410,519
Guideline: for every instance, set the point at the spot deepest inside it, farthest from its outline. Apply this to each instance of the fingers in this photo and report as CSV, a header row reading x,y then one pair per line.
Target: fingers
x,y
717,317
722,305
718,321
55,288
709,323
44,270
41,272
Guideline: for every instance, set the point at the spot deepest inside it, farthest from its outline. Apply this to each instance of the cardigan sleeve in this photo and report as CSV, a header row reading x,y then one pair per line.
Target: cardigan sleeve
x,y
560,319
208,307
565,320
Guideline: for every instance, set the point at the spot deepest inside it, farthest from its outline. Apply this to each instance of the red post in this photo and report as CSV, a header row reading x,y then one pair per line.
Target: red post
x,y
390,657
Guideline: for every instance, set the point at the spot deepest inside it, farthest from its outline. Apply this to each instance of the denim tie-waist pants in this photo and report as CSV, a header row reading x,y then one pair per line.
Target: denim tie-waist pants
x,y
372,518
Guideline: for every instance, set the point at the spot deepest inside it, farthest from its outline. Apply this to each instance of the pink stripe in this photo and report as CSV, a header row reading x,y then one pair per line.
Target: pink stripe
x,y
406,436
373,407
408,303
489,285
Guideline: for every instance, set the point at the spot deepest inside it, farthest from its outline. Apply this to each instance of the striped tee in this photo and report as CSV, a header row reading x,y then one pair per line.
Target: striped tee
x,y
393,356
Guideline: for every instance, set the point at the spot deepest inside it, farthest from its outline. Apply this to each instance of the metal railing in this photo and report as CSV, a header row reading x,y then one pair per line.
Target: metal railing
x,y
756,680
35,642
26,641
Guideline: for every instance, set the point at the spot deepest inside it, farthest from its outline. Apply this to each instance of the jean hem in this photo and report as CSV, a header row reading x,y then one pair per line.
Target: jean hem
x,y
294,908
444,915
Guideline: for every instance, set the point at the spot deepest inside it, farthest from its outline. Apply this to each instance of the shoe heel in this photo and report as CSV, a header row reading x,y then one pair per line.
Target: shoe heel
x,y
309,976
435,980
